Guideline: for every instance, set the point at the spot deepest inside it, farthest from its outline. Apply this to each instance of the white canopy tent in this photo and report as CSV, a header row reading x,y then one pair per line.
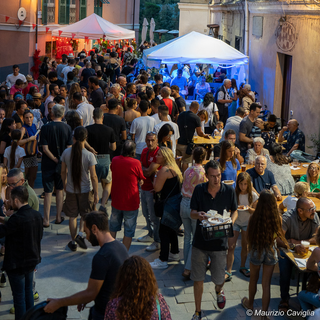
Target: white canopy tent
x,y
193,48
94,27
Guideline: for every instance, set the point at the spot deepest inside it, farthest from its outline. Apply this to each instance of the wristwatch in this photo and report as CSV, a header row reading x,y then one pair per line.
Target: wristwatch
x,y
292,246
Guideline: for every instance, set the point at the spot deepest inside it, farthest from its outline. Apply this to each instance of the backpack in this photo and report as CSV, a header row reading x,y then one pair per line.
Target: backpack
x,y
217,93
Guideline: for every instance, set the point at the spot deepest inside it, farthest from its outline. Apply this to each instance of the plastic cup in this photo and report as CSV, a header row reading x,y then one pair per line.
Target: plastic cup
x,y
306,244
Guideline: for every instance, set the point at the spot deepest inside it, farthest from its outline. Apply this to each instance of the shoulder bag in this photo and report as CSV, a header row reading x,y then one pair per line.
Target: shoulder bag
x,y
159,204
31,146
58,167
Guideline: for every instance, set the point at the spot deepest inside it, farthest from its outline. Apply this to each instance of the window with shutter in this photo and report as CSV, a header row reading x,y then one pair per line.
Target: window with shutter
x,y
98,7
44,12
64,8
83,9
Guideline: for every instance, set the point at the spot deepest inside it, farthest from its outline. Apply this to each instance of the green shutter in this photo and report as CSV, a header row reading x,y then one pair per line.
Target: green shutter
x,y
44,11
98,7
83,9
64,8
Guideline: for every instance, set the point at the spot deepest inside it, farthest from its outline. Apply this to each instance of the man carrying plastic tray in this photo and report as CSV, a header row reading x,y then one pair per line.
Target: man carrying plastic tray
x,y
211,195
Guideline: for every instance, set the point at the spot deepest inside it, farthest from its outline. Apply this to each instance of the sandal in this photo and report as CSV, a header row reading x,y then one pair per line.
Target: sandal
x,y
283,306
229,276
186,275
62,219
245,271
244,300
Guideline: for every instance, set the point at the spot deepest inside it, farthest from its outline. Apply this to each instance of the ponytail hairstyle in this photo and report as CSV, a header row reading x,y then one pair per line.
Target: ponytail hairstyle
x,y
80,135
131,103
16,137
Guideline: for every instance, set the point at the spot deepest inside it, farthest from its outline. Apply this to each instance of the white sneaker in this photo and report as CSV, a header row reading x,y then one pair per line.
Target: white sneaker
x,y
158,264
174,256
145,238
153,247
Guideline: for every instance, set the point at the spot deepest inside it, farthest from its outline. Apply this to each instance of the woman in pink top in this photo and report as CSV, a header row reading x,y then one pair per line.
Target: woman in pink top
x,y
192,177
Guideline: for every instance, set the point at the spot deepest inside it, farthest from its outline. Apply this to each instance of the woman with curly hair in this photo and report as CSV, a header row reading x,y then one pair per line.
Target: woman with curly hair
x,y
135,295
263,229
70,104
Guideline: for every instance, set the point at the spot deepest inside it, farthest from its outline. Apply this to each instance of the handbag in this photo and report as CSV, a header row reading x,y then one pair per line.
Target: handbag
x,y
159,204
58,166
213,121
30,147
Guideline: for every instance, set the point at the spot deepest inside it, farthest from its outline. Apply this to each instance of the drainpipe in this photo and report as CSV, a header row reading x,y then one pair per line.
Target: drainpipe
x,y
246,36
134,13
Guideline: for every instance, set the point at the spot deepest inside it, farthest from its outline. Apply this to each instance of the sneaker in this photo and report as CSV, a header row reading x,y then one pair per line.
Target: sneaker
x,y
145,238
158,264
3,280
12,310
196,316
36,296
80,241
72,246
153,247
174,256
103,209
221,299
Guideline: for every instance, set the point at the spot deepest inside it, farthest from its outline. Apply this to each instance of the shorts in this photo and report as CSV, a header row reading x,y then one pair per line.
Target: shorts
x,y
199,261
76,203
130,221
267,257
181,152
50,179
30,162
108,179
102,166
237,227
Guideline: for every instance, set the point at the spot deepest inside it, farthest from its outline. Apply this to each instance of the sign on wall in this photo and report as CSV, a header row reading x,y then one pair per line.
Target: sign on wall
x,y
286,36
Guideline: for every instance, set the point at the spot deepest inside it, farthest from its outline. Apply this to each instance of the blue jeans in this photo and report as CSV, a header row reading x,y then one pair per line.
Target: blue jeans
x,y
21,287
130,221
153,222
189,230
285,266
308,300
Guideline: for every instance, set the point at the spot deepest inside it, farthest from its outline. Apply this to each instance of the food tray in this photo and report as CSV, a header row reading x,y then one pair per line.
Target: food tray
x,y
217,232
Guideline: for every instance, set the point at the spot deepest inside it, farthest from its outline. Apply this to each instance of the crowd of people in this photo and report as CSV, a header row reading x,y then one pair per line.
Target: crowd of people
x,y
95,119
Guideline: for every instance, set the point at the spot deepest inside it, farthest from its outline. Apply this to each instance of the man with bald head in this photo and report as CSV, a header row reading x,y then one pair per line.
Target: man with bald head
x,y
172,106
294,136
298,224
262,178
123,82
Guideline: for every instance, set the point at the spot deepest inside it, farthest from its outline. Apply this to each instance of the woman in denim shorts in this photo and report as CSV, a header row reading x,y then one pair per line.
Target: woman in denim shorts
x,y
264,227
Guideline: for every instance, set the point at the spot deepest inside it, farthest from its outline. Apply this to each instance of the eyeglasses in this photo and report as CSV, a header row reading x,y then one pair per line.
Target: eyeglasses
x,y
12,185
310,209
151,132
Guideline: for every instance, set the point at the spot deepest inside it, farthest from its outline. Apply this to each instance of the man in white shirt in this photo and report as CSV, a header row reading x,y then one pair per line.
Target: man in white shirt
x,y
11,78
163,115
84,109
54,91
154,106
140,127
65,70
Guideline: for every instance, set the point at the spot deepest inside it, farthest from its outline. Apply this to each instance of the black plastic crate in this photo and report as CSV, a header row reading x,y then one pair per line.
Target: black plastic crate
x,y
217,232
